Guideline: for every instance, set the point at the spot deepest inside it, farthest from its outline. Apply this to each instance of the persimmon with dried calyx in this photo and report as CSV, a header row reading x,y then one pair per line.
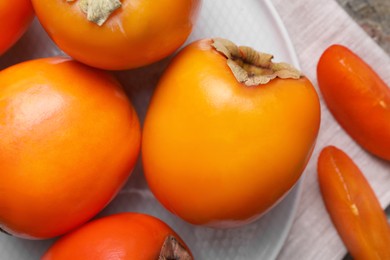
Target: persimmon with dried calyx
x,y
353,206
117,35
70,138
357,97
228,133
15,18
124,236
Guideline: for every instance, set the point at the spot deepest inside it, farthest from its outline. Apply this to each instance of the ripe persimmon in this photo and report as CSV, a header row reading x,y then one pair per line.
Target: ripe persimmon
x,y
123,236
15,18
117,35
357,98
69,140
228,133
353,206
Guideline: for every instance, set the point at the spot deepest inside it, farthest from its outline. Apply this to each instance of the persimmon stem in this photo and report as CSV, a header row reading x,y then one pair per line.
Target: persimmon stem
x,y
251,67
98,11
172,249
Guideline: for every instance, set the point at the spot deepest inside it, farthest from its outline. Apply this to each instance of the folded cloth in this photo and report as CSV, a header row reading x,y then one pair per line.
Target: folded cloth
x,y
313,26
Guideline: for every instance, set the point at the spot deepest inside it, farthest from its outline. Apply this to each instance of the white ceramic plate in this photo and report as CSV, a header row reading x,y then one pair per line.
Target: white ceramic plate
x,y
252,22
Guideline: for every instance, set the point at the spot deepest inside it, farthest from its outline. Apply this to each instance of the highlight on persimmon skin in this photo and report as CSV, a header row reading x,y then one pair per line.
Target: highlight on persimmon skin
x,y
127,236
357,97
15,18
219,152
353,206
127,35
70,138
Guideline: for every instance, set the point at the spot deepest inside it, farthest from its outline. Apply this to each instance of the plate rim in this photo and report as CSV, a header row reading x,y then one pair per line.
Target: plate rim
x,y
298,187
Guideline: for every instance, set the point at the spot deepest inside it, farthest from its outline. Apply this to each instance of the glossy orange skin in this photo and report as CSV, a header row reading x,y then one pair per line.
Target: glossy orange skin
x,y
357,97
353,206
69,140
218,153
124,236
139,33
15,18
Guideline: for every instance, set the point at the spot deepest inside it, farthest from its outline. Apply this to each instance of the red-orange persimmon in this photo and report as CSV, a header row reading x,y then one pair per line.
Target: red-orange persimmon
x,y
70,138
357,97
136,33
123,236
15,17
353,206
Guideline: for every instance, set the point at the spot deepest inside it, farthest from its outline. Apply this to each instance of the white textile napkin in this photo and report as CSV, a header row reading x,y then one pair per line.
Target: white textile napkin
x,y
313,26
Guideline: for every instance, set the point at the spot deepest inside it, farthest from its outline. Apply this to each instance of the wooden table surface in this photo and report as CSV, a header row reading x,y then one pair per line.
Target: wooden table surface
x,y
373,16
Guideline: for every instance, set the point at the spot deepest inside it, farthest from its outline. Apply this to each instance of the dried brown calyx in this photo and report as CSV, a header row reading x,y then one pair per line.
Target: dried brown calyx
x,y
251,67
172,249
98,11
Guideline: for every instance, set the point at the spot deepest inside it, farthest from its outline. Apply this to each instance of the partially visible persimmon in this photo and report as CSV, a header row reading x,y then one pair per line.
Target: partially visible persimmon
x,y
69,140
15,17
117,35
123,236
353,206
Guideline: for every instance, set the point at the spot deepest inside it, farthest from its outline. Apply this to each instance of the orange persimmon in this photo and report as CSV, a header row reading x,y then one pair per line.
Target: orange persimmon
x,y
117,35
69,140
220,149
357,97
15,17
353,206
123,236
